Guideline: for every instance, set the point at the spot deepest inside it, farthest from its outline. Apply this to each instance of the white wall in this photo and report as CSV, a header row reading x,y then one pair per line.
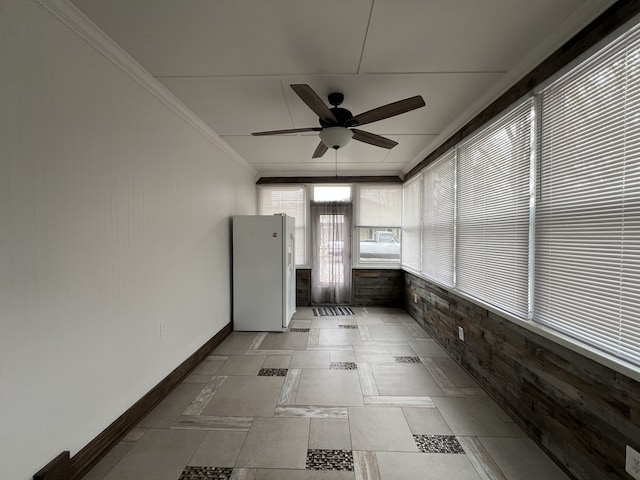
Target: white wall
x,y
114,217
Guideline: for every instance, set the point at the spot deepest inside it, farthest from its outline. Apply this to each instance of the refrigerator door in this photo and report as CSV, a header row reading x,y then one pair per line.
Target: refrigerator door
x,y
258,273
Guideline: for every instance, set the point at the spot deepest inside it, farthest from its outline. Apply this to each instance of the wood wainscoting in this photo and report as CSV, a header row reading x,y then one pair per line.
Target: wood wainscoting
x,y
582,413
377,287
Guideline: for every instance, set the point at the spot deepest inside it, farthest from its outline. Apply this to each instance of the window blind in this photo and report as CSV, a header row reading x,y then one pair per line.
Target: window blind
x,y
411,223
438,219
587,268
292,201
380,205
492,233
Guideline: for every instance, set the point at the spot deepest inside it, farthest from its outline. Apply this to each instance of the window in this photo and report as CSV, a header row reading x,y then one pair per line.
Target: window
x,y
331,193
438,219
292,201
492,224
587,255
379,216
411,223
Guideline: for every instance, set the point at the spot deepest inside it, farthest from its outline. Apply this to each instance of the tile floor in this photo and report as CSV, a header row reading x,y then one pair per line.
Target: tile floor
x,y
364,397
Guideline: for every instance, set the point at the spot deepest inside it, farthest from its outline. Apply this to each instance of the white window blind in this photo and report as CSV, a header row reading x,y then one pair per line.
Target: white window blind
x,y
438,220
588,210
380,205
292,201
411,223
493,212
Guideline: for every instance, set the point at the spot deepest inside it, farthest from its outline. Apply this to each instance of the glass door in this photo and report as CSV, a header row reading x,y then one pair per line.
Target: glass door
x,y
331,248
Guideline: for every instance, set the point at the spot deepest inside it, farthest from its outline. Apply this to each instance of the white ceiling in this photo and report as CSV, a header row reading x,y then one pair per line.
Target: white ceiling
x,y
232,61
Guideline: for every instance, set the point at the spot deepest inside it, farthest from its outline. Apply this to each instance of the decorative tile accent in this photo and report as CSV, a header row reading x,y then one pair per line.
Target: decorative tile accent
x,y
258,340
203,422
204,397
330,460
354,327
311,411
366,465
399,401
290,387
273,372
343,366
206,473
367,380
407,359
438,444
300,330
331,311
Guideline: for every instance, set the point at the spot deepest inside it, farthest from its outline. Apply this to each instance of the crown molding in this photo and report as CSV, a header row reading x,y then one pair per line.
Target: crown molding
x,y
82,26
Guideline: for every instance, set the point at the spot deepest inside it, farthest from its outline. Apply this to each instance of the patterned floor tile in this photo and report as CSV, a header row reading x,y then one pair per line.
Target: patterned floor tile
x,y
299,330
407,359
343,366
353,327
330,460
206,473
273,372
438,444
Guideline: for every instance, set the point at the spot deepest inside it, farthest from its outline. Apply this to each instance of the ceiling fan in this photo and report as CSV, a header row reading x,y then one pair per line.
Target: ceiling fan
x,y
336,124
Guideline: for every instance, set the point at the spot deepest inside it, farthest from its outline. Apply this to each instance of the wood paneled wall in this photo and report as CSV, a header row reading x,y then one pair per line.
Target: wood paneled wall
x,y
377,287
303,287
581,412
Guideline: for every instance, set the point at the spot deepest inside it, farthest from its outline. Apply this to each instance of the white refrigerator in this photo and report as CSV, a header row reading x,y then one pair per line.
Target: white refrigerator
x,y
264,276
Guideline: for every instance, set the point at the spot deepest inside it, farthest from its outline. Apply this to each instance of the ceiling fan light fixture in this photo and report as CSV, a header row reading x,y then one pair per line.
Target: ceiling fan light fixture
x,y
336,137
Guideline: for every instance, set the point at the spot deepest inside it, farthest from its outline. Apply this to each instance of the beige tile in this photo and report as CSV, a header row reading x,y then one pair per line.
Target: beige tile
x,y
218,449
246,397
206,422
380,428
277,361
481,460
401,350
373,354
243,474
522,459
172,406
471,417
160,454
425,466
426,421
285,341
311,411
280,474
236,342
290,387
340,336
457,376
342,356
313,359
324,323
329,387
195,378
276,443
405,379
106,464
388,333
428,348
330,434
242,365
210,365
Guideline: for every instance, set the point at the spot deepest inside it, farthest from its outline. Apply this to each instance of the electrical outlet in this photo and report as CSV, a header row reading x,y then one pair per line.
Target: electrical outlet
x,y
415,298
461,333
632,466
163,329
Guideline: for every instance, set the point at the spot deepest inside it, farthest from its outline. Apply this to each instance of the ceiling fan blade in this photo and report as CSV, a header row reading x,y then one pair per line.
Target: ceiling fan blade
x,y
314,102
320,150
373,139
291,130
386,111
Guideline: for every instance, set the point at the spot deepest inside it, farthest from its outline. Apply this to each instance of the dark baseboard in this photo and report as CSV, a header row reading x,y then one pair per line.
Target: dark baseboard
x,y
90,455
